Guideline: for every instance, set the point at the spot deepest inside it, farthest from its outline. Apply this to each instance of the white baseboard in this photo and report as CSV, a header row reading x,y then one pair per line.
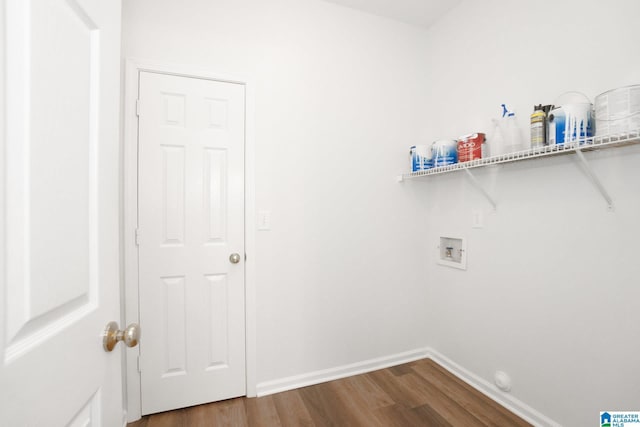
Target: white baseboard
x,y
317,377
490,390
483,386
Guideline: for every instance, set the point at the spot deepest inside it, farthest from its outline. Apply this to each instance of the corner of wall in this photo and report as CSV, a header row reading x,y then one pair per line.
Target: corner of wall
x,y
485,387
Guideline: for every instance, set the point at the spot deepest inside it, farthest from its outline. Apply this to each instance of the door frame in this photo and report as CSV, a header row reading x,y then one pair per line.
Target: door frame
x,y
133,68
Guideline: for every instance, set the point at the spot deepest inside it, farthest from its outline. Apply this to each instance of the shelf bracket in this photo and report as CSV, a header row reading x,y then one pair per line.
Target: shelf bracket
x,y
594,179
480,188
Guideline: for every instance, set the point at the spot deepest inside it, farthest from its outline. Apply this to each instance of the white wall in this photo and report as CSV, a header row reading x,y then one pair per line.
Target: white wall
x,y
550,289
338,100
550,295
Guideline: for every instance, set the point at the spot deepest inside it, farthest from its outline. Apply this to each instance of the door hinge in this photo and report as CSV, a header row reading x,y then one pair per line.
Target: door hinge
x,y
137,107
137,237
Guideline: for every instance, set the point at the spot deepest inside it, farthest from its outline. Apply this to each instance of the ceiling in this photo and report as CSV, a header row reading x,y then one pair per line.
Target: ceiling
x,y
417,12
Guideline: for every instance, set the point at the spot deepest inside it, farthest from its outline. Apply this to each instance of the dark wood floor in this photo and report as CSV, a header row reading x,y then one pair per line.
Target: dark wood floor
x,y
420,393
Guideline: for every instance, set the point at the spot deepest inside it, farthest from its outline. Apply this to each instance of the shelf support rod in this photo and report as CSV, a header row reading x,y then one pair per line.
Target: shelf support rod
x,y
594,179
480,188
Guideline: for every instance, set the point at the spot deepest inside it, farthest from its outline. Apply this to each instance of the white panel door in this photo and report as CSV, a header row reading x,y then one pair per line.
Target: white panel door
x,y
59,284
191,219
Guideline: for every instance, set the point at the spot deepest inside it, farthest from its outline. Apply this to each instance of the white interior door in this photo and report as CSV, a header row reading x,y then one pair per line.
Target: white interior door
x,y
191,220
59,245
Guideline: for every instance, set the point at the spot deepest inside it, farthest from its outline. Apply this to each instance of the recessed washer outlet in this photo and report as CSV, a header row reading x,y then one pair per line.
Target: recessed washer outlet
x,y
452,252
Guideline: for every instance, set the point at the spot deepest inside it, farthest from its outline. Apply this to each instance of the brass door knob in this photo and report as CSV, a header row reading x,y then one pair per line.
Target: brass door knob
x,y
112,335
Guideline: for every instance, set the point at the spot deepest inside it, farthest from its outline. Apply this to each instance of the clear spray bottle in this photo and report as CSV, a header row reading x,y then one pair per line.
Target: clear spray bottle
x,y
507,134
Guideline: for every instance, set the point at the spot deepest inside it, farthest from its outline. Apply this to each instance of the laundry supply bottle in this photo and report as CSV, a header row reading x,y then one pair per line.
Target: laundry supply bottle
x,y
511,132
538,128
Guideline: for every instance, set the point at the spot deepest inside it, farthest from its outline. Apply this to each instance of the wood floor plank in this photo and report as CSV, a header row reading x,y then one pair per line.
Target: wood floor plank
x,y
227,413
356,404
327,408
448,408
488,411
402,416
420,393
175,418
400,369
262,412
486,402
292,410
374,396
430,417
319,404
396,388
142,422
200,416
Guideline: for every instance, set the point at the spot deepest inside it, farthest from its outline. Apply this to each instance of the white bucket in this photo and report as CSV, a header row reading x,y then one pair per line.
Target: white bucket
x,y
421,158
570,123
618,111
571,120
445,152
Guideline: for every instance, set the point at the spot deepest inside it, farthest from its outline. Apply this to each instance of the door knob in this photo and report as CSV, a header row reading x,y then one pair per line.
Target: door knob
x,y
112,335
234,258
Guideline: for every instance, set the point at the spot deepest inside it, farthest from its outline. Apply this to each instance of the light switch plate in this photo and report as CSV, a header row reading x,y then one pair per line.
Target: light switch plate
x,y
264,220
477,218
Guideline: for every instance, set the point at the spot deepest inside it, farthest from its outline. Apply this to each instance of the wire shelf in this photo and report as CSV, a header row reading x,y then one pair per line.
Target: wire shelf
x,y
581,145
